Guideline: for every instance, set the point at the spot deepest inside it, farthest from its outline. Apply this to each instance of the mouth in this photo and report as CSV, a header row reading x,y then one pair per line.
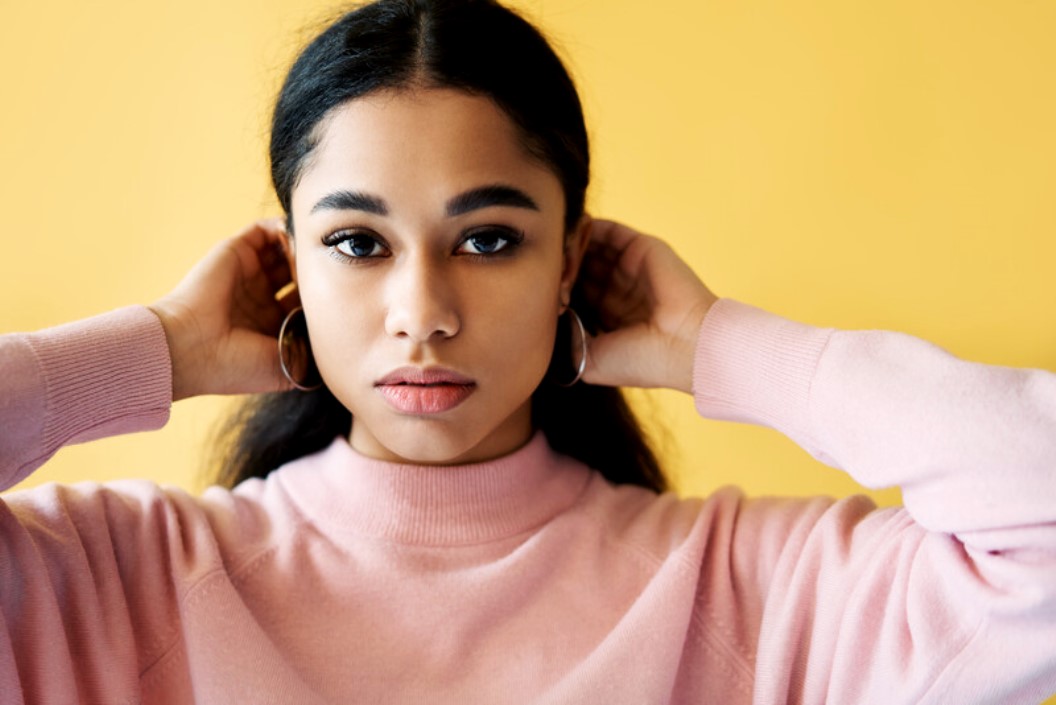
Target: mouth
x,y
422,392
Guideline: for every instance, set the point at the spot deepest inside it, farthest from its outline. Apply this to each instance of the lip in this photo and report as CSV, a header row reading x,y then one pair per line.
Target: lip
x,y
418,391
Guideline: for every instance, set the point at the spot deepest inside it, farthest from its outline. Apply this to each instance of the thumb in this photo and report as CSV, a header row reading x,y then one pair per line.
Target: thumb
x,y
620,359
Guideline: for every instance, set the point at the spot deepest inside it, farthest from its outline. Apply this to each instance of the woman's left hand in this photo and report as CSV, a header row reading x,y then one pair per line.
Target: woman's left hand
x,y
651,307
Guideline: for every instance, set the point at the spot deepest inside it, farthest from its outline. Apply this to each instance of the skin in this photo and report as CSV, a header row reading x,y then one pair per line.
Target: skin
x,y
431,288
427,297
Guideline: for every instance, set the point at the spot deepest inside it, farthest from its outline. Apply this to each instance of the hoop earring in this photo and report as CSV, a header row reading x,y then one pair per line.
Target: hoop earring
x,y
582,350
288,341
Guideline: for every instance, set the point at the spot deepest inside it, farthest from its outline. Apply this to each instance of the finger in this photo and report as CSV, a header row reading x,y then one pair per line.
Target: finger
x,y
613,235
275,258
620,297
260,232
600,265
260,276
260,250
276,267
622,250
265,233
263,273
255,365
603,364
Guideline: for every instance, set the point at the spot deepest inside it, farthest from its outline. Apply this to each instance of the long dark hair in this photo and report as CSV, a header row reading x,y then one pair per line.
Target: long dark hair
x,y
483,48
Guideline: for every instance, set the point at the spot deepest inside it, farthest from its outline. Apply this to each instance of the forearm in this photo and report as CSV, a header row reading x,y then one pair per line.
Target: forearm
x,y
972,446
77,382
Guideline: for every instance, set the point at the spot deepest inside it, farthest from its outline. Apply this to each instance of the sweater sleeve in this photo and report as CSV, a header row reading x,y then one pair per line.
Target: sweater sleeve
x,y
90,575
103,376
950,599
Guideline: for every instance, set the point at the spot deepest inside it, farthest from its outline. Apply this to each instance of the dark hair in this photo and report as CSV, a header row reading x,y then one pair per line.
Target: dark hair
x,y
483,48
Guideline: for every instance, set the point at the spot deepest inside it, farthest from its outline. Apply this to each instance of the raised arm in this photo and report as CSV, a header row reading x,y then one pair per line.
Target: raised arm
x,y
972,446
91,575
119,372
99,377
952,599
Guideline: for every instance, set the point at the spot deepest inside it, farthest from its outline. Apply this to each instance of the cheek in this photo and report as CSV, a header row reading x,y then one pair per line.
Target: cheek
x,y
523,319
341,316
532,320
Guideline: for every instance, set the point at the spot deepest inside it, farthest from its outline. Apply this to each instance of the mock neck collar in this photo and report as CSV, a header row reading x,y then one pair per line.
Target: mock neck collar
x,y
340,489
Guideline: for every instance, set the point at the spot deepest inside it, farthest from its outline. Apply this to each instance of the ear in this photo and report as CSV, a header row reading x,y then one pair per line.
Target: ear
x,y
289,249
575,247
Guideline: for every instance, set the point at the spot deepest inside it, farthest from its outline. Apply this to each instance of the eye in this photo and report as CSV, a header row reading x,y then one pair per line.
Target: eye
x,y
355,245
359,246
489,241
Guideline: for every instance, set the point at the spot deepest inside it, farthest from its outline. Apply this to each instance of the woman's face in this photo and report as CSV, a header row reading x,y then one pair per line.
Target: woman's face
x,y
431,262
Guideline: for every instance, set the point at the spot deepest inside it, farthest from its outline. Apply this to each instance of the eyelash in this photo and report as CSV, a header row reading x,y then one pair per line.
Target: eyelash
x,y
512,238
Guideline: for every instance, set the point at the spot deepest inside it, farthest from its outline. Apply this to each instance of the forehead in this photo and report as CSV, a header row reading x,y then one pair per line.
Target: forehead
x,y
421,145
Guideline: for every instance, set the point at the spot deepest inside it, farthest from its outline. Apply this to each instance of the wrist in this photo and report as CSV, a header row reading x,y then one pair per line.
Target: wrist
x,y
177,338
687,340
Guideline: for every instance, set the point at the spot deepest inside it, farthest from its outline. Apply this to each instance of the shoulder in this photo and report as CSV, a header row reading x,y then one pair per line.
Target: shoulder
x,y
145,526
730,530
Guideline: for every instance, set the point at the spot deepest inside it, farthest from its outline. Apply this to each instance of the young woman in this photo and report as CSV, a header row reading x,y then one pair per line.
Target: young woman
x,y
445,499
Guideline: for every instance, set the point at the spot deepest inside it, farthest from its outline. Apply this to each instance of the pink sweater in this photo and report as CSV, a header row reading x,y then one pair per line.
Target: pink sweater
x,y
531,579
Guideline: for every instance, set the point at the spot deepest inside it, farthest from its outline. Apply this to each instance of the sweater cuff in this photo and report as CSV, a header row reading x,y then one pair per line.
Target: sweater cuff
x,y
104,375
756,367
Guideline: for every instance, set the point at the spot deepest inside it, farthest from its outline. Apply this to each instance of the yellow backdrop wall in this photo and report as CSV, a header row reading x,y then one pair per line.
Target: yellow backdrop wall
x,y
859,165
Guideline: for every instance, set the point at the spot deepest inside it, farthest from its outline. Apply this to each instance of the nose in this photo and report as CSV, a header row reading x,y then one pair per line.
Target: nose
x,y
422,304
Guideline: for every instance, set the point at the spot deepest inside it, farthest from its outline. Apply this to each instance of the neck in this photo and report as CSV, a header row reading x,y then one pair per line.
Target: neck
x,y
420,504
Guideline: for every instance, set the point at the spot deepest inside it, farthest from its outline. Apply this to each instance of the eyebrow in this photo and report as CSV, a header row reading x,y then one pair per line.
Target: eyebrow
x,y
351,201
491,195
474,199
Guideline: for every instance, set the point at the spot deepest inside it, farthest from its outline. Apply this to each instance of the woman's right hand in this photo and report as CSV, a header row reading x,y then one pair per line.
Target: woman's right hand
x,y
223,319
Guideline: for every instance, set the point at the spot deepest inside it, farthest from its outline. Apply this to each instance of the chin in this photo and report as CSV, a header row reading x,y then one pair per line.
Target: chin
x,y
459,439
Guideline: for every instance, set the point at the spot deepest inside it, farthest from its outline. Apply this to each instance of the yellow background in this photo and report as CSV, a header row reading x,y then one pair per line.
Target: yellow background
x,y
859,165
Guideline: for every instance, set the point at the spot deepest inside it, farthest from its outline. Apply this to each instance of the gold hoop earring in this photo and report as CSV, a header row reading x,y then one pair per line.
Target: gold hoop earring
x,y
582,366
293,341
